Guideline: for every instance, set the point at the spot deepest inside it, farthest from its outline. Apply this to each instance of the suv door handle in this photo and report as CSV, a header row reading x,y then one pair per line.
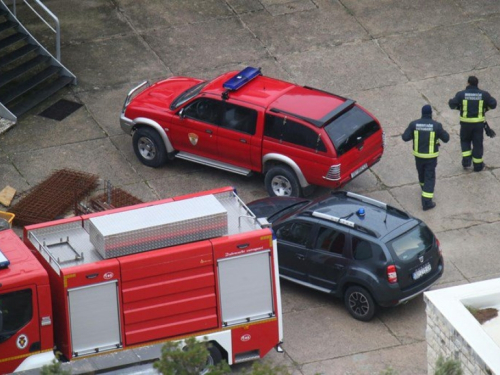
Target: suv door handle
x,y
243,140
338,266
301,256
208,131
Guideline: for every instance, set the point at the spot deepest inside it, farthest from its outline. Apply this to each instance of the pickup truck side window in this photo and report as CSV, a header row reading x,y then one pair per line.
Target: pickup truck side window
x,y
296,232
239,118
16,310
206,110
284,129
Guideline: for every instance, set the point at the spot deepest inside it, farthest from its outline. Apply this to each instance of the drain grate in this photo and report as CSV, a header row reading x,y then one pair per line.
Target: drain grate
x,y
60,110
53,197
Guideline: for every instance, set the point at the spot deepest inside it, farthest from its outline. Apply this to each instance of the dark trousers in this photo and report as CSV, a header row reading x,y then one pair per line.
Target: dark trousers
x,y
471,134
426,169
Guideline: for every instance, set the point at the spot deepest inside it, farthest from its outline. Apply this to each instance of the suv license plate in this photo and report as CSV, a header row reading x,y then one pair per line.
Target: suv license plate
x,y
359,170
422,271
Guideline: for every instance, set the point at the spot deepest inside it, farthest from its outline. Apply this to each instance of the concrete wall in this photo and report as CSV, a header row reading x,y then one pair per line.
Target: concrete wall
x,y
453,332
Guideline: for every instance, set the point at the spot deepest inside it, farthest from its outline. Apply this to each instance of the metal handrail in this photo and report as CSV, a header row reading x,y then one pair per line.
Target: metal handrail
x,y
57,30
42,249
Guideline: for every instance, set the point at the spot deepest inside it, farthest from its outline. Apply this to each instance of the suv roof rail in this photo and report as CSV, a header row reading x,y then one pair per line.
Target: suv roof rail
x,y
367,200
372,201
345,222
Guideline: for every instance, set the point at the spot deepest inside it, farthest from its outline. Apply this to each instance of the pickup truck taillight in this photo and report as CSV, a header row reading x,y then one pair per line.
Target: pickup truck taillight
x,y
333,173
439,247
392,275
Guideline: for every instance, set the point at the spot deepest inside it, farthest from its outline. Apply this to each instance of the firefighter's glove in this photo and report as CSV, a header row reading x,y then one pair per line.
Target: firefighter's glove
x,y
489,131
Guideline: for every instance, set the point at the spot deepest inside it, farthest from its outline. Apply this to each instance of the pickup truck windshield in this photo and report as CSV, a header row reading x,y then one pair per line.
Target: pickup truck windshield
x,y
350,129
187,95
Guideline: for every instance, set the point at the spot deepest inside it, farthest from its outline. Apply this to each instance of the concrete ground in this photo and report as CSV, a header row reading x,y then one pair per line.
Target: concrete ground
x,y
392,56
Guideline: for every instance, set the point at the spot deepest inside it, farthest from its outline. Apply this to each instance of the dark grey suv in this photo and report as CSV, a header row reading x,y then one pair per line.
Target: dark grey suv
x,y
354,247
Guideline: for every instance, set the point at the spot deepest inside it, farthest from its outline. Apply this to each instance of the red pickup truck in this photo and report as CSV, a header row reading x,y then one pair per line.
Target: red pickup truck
x,y
244,122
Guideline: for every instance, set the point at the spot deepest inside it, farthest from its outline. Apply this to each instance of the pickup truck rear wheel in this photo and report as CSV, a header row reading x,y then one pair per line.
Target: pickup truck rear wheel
x,y
281,181
359,303
149,147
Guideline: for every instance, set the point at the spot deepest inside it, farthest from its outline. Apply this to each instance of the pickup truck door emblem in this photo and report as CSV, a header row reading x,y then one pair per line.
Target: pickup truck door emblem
x,y
193,138
22,341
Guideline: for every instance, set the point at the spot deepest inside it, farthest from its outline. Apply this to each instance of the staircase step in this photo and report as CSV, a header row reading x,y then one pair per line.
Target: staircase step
x,y
7,25
21,69
29,84
17,54
39,96
14,38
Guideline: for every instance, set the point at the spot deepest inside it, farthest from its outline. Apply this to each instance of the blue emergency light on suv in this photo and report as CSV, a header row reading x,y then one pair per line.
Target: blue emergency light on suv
x,y
353,247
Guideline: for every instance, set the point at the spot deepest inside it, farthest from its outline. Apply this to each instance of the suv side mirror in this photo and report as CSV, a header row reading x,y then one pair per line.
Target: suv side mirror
x,y
181,113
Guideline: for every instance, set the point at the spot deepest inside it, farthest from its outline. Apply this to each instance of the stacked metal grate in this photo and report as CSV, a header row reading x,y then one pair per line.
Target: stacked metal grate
x,y
115,199
53,197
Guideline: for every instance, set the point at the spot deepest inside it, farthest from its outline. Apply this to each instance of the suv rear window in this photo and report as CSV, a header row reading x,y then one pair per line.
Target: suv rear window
x,y
351,128
417,240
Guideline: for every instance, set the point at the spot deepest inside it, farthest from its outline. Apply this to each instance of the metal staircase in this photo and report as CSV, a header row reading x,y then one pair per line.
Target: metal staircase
x,y
29,74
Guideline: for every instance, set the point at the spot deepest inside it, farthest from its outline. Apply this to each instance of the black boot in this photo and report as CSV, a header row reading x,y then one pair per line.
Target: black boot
x,y
427,204
478,167
466,162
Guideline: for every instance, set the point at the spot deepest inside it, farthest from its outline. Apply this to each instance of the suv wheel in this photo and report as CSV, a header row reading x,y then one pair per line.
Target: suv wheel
x,y
149,147
280,181
359,303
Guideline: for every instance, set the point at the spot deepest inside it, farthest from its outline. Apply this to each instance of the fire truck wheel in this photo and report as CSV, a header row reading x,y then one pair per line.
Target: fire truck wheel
x,y
214,357
359,303
281,181
149,147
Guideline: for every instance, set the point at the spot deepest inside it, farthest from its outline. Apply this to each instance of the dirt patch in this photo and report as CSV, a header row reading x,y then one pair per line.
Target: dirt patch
x,y
483,315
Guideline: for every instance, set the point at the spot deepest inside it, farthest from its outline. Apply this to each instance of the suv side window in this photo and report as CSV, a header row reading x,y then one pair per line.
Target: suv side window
x,y
284,129
16,310
331,240
239,118
364,250
204,109
296,232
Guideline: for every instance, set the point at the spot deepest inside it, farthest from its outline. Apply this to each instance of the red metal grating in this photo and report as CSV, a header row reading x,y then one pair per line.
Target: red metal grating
x,y
53,197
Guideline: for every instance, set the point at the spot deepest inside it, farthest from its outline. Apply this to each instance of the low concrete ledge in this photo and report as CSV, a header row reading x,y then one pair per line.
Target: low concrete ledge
x,y
5,125
453,332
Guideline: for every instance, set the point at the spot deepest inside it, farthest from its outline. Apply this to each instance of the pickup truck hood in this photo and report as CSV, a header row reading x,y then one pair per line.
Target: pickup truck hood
x,y
161,94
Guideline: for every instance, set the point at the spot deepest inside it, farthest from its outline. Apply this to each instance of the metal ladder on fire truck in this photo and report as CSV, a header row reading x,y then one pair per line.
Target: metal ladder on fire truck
x,y
29,73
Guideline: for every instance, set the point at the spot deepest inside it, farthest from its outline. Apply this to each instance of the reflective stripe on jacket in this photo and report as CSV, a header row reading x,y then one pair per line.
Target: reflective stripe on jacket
x,y
473,104
425,134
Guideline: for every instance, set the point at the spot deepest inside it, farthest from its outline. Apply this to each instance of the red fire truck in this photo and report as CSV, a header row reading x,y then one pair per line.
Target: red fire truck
x,y
112,287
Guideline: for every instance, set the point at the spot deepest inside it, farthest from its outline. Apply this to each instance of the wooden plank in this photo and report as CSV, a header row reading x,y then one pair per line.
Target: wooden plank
x,y
6,195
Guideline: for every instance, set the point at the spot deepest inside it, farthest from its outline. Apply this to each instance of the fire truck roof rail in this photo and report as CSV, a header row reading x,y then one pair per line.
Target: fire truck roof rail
x,y
94,237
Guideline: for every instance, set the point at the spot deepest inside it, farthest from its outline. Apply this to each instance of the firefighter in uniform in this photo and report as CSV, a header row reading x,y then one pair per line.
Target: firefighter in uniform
x,y
426,133
473,104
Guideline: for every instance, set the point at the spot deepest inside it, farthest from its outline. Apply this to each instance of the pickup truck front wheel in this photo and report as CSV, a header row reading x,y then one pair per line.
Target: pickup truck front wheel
x,y
281,182
149,147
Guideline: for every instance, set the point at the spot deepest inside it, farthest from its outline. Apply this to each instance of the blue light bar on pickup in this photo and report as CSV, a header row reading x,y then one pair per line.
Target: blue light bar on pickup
x,y
4,262
242,78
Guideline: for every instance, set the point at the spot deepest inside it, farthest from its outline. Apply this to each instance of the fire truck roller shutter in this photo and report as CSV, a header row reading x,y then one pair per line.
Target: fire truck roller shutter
x,y
246,288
